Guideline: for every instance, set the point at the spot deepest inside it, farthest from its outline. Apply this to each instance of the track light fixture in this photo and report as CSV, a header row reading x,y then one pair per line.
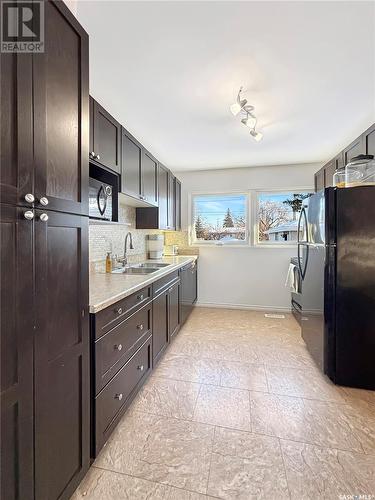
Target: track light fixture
x,y
249,119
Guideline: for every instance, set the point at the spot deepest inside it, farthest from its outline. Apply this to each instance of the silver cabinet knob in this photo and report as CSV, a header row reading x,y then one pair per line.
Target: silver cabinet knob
x,y
97,157
43,201
140,368
118,347
43,217
29,215
118,396
140,327
119,310
140,297
30,198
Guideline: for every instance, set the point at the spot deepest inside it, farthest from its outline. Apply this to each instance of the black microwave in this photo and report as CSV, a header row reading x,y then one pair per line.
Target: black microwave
x,y
103,194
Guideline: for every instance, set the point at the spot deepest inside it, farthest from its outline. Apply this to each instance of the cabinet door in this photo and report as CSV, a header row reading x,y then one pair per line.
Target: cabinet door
x,y
17,173
369,139
61,113
171,202
319,180
177,191
330,169
163,197
149,178
174,309
131,165
356,148
17,321
106,139
62,389
339,161
160,324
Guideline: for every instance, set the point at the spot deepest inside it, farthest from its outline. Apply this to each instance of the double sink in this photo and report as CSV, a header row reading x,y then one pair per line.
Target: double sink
x,y
144,268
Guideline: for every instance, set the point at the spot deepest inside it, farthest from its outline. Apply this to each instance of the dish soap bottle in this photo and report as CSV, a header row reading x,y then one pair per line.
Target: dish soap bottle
x,y
108,263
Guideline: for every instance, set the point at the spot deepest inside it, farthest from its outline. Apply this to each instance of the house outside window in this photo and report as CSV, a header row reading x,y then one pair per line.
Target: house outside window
x,y
219,219
277,217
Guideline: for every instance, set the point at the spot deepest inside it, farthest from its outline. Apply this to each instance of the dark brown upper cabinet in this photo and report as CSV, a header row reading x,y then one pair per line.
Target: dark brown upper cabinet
x,y
149,178
364,144
329,170
131,165
139,172
105,138
356,148
177,204
369,140
162,216
44,119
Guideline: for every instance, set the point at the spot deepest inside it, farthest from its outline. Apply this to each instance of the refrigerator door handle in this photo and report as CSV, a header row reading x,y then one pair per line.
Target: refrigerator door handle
x,y
302,271
302,215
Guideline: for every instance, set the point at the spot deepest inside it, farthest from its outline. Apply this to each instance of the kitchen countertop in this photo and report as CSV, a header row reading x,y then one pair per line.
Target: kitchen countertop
x,y
106,289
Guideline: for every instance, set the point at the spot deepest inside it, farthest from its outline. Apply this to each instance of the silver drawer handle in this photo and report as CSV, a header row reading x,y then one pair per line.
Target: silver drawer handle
x,y
29,215
141,368
118,396
29,198
119,310
140,297
140,327
118,347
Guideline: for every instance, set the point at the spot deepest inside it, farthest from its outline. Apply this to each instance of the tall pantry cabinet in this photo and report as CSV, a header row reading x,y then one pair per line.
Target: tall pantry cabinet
x,y
44,264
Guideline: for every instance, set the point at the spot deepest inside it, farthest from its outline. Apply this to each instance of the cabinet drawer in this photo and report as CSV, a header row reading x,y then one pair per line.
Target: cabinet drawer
x,y
108,318
164,282
116,396
114,348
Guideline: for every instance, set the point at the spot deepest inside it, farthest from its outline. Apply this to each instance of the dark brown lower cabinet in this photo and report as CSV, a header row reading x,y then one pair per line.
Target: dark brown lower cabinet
x,y
166,313
44,354
61,357
17,320
160,324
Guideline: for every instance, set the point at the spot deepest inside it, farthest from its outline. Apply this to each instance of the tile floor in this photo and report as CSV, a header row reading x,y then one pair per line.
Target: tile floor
x,y
237,410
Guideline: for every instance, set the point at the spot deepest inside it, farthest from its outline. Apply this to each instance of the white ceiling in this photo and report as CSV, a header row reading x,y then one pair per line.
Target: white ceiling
x,y
168,71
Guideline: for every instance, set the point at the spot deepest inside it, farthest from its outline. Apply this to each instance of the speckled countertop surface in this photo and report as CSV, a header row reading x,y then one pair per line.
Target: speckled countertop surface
x,y
106,289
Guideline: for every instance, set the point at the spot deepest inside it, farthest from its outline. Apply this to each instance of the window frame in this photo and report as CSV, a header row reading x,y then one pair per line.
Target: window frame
x,y
257,193
212,243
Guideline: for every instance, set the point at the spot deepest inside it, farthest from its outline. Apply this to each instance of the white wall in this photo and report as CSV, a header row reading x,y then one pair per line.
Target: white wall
x,y
251,276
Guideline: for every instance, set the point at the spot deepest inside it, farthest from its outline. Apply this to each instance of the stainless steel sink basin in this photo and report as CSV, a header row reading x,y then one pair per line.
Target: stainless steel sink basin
x,y
152,264
135,270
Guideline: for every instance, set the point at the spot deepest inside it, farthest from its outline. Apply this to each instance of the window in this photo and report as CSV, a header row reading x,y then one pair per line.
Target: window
x,y
219,219
277,216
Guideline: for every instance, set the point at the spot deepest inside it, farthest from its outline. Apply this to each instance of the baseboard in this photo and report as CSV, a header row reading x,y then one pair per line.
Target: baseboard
x,y
249,307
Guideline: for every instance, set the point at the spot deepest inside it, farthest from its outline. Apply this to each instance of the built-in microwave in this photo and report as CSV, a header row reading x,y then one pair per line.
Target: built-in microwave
x,y
103,194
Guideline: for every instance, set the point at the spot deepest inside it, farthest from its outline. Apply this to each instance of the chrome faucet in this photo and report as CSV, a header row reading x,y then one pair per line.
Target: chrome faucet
x,y
125,259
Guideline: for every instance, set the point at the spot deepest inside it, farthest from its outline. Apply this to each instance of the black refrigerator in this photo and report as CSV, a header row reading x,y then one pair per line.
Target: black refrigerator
x,y
336,250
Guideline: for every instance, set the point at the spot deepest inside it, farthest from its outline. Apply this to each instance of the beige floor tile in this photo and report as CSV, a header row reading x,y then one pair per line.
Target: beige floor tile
x,y
160,449
293,356
302,382
177,494
169,398
243,376
223,406
246,466
326,424
315,473
101,484
173,366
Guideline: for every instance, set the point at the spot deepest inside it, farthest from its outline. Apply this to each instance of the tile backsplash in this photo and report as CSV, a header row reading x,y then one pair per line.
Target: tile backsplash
x,y
110,238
